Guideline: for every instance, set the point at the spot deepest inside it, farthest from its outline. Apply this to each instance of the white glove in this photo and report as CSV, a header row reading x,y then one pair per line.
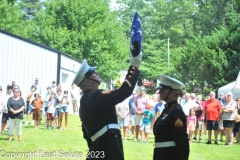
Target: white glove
x,y
136,61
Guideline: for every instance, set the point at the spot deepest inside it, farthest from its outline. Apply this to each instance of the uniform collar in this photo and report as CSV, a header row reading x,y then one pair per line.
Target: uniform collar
x,y
171,103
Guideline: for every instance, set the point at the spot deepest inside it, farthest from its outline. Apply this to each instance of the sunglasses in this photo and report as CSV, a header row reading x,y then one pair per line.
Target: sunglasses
x,y
16,91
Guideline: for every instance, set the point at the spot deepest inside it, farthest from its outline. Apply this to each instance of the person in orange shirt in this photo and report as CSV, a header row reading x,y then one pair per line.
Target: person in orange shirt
x,y
37,105
212,110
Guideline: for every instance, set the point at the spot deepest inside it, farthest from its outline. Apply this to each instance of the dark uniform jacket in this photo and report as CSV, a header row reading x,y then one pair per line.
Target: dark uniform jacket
x,y
171,126
98,109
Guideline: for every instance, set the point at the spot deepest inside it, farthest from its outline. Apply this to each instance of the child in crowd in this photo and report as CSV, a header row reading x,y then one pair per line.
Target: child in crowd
x,y
148,117
51,110
191,124
37,107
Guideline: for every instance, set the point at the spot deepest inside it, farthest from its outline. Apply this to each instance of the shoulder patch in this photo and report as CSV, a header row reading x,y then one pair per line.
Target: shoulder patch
x,y
179,123
106,92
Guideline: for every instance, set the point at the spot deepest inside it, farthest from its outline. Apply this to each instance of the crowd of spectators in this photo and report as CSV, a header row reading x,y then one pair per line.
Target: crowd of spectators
x,y
137,114
49,109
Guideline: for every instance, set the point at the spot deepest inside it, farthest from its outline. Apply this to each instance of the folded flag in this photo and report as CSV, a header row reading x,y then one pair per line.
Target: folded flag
x,y
136,36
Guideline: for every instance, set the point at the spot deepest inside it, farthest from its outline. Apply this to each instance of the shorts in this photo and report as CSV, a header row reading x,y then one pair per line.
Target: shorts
x,y
132,120
212,125
74,101
145,127
46,108
205,121
199,125
29,108
64,109
138,120
37,115
123,122
220,125
228,123
237,127
49,116
56,112
4,117
191,127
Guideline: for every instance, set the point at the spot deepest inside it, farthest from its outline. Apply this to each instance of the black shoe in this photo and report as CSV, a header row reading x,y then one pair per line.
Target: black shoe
x,y
215,142
209,142
194,138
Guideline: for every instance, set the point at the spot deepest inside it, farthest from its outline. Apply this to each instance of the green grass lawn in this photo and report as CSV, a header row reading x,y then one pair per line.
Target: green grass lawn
x,y
69,144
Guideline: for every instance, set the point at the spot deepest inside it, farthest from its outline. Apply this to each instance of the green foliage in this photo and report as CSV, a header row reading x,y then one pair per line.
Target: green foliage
x,y
84,30
204,36
10,17
30,8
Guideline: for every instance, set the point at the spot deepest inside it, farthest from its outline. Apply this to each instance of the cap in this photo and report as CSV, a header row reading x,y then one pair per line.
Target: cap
x,y
229,93
16,86
9,86
148,106
166,81
85,68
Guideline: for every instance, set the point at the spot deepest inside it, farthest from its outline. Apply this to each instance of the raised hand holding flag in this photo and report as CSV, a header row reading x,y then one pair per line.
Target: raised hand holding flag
x,y
136,42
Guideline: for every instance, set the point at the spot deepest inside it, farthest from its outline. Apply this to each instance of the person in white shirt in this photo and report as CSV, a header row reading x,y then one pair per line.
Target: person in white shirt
x,y
75,93
46,101
38,87
51,110
188,104
4,118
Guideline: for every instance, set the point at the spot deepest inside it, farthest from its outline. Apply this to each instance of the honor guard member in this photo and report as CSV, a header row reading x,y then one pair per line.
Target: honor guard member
x,y
97,111
170,130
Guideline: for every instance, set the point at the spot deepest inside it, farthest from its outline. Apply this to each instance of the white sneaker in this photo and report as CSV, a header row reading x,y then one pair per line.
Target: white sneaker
x,y
32,122
26,123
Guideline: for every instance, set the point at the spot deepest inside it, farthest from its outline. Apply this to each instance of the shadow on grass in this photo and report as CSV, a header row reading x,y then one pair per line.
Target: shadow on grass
x,y
3,138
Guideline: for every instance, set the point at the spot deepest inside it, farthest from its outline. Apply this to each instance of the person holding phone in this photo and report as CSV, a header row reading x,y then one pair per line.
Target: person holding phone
x,y
64,108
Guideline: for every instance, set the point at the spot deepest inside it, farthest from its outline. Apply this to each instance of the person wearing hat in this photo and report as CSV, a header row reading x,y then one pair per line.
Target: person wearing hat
x,y
97,111
170,130
4,118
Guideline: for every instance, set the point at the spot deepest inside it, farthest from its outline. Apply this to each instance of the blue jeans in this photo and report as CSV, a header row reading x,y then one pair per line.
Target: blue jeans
x,y
64,109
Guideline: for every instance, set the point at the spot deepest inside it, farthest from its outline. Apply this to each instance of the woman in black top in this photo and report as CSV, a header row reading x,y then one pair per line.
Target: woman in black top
x,y
170,130
15,106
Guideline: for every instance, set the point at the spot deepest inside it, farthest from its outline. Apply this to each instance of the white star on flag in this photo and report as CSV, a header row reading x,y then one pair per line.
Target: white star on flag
x,y
138,19
132,33
139,31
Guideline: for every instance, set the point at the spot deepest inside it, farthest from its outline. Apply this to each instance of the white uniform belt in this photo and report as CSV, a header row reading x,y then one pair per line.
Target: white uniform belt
x,y
165,144
103,130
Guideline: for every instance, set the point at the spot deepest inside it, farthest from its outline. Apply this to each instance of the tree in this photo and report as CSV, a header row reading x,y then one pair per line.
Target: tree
x,y
30,8
10,17
84,30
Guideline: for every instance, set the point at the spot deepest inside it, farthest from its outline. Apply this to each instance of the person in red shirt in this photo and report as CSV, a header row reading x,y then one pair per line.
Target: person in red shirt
x,y
212,110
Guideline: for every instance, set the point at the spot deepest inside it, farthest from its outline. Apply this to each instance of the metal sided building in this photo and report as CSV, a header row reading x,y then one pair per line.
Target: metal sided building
x,y
24,60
